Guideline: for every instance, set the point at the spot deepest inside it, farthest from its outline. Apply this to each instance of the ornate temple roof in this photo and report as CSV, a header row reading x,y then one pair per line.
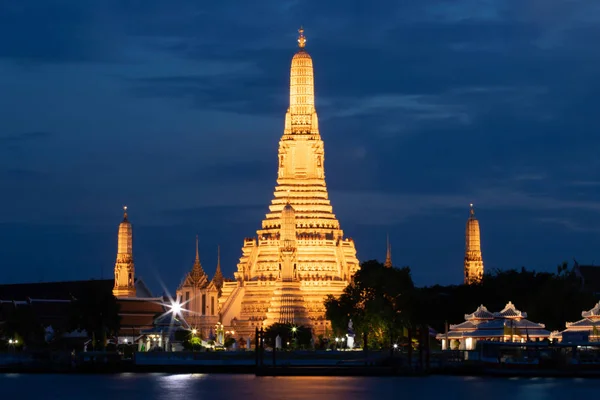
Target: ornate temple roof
x,y
481,313
196,277
593,314
509,311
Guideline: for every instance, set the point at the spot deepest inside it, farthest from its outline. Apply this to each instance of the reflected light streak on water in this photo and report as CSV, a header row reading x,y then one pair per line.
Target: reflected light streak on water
x,y
159,386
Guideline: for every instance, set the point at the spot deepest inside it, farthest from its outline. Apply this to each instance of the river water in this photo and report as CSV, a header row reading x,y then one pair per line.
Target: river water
x,y
247,387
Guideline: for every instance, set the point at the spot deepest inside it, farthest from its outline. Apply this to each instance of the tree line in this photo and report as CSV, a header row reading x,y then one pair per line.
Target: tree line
x,y
385,304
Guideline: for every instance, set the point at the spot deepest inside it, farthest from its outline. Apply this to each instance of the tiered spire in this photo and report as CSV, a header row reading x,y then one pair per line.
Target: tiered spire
x,y
124,266
301,117
473,267
218,278
388,255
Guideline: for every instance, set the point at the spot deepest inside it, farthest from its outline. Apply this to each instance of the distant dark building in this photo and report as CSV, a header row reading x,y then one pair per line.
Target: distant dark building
x,y
590,278
51,302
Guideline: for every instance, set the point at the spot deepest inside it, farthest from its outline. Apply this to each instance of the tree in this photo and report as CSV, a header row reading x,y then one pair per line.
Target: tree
x,y
378,300
97,312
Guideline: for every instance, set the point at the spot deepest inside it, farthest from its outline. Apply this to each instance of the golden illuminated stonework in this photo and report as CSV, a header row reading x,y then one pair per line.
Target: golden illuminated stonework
x,y
300,255
473,260
124,267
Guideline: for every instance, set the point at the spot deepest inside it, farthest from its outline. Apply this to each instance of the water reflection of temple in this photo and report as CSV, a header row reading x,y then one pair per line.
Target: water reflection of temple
x,y
508,325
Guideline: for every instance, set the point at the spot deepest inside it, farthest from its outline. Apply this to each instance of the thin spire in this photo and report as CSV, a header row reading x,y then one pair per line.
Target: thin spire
x,y
197,252
388,256
472,210
218,278
301,38
124,213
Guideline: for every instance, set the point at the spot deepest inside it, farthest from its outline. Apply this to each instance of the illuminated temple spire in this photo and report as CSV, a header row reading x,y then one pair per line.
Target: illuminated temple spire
x,y
473,259
124,267
388,255
300,254
301,117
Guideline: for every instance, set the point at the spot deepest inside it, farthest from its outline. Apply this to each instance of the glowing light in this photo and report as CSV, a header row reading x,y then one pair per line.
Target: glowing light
x,y
395,345
175,307
194,331
294,329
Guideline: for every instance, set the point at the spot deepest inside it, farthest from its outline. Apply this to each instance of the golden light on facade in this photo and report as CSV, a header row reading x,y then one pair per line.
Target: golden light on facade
x,y
301,255
124,267
473,266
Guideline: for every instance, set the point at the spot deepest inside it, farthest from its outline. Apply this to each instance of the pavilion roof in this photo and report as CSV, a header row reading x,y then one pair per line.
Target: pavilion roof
x,y
510,311
594,313
467,325
584,323
481,313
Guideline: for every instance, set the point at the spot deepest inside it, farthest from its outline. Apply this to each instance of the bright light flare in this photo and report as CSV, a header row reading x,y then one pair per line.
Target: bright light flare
x,y
176,307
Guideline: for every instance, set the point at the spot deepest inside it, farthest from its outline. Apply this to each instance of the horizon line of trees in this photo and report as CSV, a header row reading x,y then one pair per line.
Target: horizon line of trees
x,y
385,304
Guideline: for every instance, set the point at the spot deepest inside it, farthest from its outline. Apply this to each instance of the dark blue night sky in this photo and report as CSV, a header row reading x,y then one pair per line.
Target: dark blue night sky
x,y
175,108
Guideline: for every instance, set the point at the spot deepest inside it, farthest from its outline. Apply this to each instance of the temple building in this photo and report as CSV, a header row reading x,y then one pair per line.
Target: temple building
x,y
199,296
584,330
473,260
508,325
300,255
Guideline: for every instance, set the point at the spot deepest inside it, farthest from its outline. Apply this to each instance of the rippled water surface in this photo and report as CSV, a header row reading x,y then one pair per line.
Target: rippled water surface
x,y
230,387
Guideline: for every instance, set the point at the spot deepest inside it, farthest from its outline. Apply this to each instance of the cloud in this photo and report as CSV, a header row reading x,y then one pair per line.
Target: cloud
x,y
391,209
570,225
56,31
20,138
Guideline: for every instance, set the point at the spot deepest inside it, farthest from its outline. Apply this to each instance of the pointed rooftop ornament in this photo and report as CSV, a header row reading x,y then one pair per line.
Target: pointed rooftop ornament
x,y
218,278
388,256
124,213
301,38
197,273
472,211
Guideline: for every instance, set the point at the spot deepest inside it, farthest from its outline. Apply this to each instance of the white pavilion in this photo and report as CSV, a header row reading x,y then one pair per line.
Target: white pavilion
x,y
508,325
584,330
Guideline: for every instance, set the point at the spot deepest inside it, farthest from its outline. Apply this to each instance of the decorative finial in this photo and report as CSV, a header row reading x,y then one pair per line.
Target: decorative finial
x,y
472,211
124,212
301,38
197,252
